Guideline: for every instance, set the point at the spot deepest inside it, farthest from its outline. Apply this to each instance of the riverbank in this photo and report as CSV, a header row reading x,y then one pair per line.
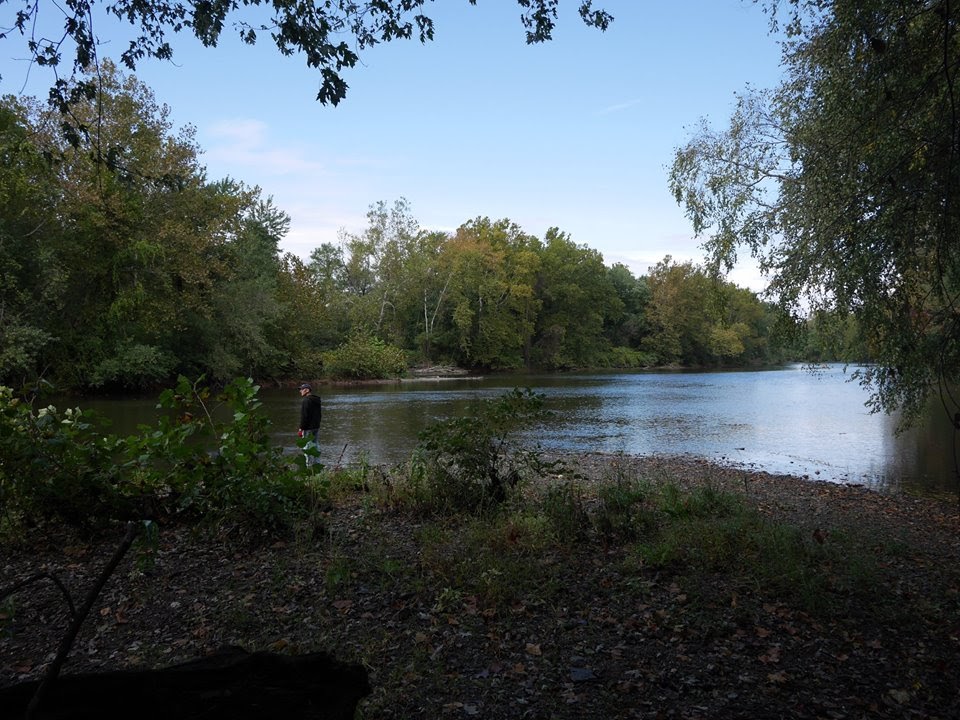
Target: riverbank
x,y
519,615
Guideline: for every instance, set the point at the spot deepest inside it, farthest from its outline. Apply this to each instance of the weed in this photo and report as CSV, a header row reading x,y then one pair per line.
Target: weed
x,y
622,513
339,571
62,466
706,533
564,509
448,600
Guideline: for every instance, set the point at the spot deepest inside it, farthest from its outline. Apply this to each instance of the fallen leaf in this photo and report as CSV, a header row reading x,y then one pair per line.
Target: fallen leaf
x,y
534,649
772,655
902,697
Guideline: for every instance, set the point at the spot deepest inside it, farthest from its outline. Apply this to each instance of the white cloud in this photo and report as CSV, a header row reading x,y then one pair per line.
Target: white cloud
x,y
240,145
620,107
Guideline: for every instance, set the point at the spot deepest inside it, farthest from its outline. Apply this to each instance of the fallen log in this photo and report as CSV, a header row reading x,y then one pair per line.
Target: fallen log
x,y
231,684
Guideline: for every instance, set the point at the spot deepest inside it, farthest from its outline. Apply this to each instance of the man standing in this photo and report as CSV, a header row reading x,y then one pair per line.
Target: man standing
x,y
310,421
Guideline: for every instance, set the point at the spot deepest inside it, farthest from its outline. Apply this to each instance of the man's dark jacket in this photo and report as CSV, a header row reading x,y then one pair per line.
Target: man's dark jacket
x,y
310,413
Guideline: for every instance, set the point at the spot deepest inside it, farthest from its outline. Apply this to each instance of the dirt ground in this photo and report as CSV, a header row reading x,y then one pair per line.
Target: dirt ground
x,y
599,641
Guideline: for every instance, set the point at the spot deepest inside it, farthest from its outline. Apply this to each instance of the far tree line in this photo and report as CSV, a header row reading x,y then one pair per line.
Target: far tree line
x,y
122,265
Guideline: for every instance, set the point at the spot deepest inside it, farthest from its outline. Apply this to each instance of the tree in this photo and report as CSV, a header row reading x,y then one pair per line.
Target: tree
x,y
629,327
330,35
492,300
28,191
122,264
128,262
431,279
843,182
680,314
376,268
576,299
251,329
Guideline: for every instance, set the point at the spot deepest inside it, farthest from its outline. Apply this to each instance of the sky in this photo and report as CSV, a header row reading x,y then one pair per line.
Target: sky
x,y
577,133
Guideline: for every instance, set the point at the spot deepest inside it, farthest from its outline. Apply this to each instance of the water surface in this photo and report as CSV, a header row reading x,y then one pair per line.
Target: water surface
x,y
787,420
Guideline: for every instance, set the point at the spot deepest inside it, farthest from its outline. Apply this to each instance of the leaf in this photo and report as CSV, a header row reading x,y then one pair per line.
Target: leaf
x,y
772,655
901,697
534,649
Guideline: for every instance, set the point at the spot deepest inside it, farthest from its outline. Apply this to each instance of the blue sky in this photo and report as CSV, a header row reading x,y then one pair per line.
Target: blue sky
x,y
577,133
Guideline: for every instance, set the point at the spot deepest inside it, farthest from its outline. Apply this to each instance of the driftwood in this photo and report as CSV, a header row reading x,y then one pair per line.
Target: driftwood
x,y
231,684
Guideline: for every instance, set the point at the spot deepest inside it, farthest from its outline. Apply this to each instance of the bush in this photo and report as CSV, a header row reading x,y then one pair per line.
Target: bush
x,y
54,464
61,466
192,467
468,463
134,366
628,358
364,357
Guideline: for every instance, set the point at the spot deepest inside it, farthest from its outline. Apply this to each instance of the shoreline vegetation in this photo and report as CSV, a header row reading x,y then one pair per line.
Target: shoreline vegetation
x,y
612,586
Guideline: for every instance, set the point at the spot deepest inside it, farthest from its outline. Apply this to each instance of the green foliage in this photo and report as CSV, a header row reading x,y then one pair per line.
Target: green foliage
x,y
364,357
842,182
62,466
54,464
125,274
328,35
471,463
564,508
622,514
577,303
245,480
493,304
702,502
706,531
135,366
626,358
497,561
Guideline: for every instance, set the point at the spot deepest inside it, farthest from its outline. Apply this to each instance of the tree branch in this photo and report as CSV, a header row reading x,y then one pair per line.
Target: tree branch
x,y
133,529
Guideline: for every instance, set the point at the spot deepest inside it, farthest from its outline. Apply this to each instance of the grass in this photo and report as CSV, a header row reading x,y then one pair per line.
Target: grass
x,y
509,554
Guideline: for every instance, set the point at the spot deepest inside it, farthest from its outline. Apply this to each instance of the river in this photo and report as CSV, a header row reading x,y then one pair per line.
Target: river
x,y
788,420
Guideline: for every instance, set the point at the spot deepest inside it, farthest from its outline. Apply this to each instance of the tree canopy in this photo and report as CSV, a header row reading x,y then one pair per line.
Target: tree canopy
x,y
123,274
843,181
329,35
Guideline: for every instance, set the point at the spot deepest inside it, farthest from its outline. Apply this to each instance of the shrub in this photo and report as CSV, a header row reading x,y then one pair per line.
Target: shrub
x,y
469,463
191,466
364,357
54,464
625,357
134,366
61,466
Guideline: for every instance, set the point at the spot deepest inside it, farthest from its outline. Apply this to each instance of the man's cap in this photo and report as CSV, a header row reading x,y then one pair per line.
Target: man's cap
x,y
305,386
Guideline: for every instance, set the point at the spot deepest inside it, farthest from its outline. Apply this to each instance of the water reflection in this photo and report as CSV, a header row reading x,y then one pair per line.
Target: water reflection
x,y
782,421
